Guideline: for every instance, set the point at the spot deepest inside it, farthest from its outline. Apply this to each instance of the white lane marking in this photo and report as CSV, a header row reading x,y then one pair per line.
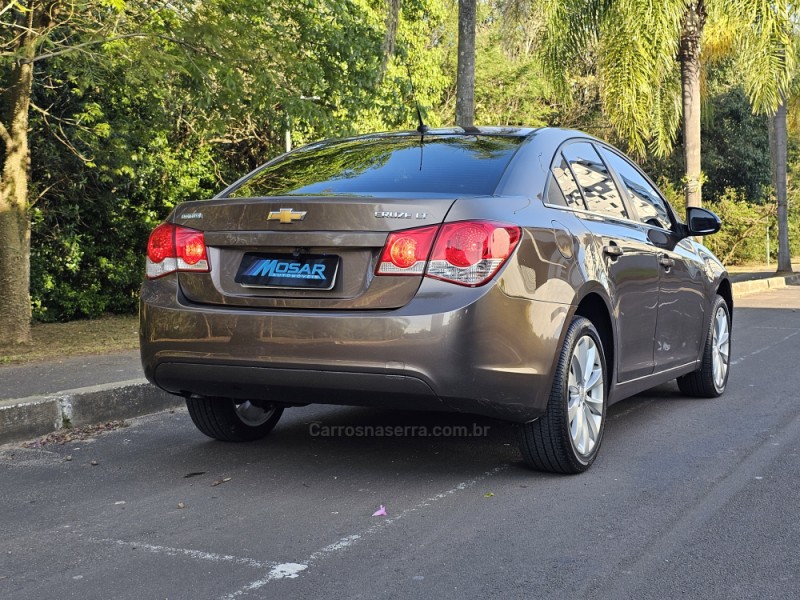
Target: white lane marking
x,y
278,572
765,348
196,554
286,571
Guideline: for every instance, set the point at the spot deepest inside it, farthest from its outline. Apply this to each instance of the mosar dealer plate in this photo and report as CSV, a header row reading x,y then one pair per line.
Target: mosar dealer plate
x,y
304,272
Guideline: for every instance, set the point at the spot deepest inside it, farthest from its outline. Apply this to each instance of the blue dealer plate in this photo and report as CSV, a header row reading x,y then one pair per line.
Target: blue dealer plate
x,y
304,272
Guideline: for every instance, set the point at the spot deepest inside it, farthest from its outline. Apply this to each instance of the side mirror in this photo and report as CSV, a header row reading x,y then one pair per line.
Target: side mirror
x,y
700,221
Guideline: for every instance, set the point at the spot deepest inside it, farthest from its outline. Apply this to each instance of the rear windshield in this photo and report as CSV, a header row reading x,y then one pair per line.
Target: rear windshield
x,y
461,165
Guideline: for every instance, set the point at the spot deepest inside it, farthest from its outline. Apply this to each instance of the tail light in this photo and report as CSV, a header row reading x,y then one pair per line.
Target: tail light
x,y
471,252
174,248
406,252
466,252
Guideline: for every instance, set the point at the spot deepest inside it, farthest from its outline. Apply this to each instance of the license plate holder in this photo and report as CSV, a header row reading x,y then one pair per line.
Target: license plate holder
x,y
287,271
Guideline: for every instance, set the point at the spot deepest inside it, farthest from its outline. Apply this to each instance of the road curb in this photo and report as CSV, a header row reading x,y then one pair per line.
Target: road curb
x,y
743,288
26,418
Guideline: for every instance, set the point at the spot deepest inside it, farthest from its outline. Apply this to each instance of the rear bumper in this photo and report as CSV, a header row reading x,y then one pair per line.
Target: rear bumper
x,y
451,348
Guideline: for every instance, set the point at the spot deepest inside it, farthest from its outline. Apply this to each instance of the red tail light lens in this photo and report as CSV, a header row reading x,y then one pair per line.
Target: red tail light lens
x,y
161,244
190,246
406,252
466,252
174,248
471,252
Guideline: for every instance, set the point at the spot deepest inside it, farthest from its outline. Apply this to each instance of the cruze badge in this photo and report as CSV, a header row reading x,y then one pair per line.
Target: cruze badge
x,y
286,215
396,214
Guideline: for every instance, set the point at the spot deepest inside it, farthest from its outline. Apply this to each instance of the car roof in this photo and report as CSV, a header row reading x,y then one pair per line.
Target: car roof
x,y
553,135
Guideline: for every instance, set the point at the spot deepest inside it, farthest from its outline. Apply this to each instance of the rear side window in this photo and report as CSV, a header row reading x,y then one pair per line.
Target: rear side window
x,y
569,194
468,165
645,199
599,190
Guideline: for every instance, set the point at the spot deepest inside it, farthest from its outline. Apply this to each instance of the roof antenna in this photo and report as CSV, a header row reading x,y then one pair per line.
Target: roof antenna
x,y
421,128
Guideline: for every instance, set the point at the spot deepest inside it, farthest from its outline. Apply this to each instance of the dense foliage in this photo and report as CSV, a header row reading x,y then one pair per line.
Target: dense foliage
x,y
202,92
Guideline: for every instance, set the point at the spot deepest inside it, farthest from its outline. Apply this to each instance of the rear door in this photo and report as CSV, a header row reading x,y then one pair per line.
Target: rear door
x,y
681,297
628,258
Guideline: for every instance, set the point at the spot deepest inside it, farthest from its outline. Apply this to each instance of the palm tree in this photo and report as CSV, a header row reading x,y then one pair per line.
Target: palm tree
x,y
778,157
650,58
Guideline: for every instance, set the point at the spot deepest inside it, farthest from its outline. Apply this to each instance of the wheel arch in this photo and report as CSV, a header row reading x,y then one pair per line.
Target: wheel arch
x,y
593,307
725,289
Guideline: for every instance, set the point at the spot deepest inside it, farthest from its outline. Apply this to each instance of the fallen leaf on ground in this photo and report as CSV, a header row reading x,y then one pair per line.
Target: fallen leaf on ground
x,y
488,494
74,434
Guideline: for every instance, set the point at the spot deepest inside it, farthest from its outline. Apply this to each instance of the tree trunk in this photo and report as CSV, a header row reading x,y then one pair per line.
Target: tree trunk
x,y
778,156
693,22
390,37
465,82
15,305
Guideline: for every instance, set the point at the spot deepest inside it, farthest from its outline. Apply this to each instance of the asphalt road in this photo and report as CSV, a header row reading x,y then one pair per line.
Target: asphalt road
x,y
689,498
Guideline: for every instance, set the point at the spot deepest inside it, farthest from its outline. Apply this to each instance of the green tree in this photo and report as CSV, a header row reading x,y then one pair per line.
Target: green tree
x,y
228,72
413,70
650,60
735,146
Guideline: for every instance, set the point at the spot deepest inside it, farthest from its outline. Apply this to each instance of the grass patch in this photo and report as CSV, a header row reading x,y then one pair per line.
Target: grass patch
x,y
58,340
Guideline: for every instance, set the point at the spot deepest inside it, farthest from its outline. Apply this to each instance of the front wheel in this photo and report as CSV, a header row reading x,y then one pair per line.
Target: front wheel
x,y
230,421
710,380
567,437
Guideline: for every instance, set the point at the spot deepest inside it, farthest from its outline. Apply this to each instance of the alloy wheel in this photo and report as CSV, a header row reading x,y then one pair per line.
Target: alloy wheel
x,y
586,396
253,415
720,347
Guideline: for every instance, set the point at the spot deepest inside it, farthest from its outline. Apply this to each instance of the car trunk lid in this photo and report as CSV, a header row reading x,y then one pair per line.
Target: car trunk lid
x,y
251,240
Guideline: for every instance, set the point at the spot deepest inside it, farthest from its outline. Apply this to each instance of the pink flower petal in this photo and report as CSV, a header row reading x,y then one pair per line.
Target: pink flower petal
x,y
381,512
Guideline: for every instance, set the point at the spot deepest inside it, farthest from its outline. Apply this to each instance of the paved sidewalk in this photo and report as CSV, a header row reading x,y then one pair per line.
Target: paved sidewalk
x,y
38,398
41,397
758,272
41,378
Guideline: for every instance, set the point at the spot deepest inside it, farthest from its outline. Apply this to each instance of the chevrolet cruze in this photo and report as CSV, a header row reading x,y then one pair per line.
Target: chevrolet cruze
x,y
531,275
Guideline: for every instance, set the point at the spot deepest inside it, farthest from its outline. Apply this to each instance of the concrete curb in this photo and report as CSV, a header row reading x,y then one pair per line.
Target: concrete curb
x,y
27,418
743,288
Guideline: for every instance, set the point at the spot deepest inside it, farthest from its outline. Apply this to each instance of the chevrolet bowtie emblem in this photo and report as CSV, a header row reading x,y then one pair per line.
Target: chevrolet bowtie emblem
x,y
286,215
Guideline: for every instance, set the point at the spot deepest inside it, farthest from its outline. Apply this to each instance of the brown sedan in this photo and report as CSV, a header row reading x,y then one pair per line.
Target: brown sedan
x,y
532,275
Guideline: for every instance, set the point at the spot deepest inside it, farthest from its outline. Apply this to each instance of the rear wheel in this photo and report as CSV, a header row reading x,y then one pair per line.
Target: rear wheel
x,y
230,421
710,380
567,437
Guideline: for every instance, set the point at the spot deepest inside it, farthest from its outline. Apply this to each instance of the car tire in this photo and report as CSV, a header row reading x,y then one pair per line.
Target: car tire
x,y
567,437
710,380
230,421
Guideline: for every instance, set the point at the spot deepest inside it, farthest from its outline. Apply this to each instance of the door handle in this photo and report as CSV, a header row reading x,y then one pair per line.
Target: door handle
x,y
666,262
612,250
